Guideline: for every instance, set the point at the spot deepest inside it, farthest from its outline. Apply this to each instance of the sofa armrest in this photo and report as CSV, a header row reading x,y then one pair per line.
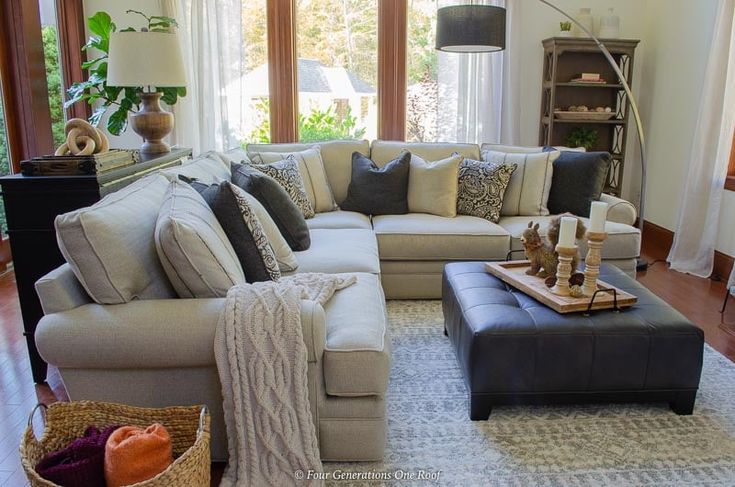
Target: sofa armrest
x,y
620,210
159,333
59,290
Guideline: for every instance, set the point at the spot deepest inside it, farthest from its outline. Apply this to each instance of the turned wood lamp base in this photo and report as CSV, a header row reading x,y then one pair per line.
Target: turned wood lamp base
x,y
153,124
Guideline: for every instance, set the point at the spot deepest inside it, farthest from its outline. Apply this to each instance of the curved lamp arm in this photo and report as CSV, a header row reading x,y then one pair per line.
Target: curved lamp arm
x,y
631,100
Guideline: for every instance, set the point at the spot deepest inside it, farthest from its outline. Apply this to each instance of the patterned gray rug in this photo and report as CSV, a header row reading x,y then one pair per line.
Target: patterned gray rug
x,y
432,440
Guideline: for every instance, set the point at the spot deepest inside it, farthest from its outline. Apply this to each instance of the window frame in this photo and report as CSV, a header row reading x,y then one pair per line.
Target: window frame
x,y
282,72
730,180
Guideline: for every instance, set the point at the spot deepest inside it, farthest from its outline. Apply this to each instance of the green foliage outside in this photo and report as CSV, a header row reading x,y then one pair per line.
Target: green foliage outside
x,y
4,165
53,79
318,125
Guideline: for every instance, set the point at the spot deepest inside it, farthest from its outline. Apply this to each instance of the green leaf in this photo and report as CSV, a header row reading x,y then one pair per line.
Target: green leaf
x,y
97,43
118,121
128,29
181,90
101,24
170,95
112,92
90,64
98,113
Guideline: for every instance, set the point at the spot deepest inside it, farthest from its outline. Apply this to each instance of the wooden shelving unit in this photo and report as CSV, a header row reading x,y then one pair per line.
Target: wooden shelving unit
x,y
564,59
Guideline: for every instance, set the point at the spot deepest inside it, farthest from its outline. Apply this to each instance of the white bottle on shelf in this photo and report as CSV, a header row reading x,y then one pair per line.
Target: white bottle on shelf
x,y
584,17
609,25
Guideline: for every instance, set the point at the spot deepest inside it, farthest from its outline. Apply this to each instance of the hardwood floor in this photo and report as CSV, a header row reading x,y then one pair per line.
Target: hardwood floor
x,y
698,299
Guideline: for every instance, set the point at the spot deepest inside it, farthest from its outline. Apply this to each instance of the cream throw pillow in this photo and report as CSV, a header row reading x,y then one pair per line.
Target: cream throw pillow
x,y
311,167
432,186
528,191
193,248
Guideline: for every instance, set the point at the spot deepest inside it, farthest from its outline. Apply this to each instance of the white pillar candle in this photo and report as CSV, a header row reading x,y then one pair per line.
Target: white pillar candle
x,y
568,232
598,216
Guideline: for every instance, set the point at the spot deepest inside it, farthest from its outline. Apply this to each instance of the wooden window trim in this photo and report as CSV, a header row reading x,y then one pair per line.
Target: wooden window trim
x,y
392,47
282,72
72,37
730,180
23,74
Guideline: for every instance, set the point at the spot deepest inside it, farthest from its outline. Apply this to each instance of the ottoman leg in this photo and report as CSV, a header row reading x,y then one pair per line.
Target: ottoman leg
x,y
480,408
683,405
446,333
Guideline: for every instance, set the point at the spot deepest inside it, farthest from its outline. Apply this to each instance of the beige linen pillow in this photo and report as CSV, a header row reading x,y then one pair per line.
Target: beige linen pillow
x,y
284,255
311,167
110,247
193,248
528,191
432,186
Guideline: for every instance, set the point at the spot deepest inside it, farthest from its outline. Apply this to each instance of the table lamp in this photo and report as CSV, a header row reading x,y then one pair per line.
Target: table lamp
x,y
147,61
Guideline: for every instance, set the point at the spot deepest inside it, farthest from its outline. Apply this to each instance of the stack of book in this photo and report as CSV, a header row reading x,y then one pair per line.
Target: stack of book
x,y
589,78
78,165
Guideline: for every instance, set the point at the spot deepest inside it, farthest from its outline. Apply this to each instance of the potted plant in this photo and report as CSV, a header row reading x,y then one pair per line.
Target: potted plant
x,y
565,29
583,137
95,89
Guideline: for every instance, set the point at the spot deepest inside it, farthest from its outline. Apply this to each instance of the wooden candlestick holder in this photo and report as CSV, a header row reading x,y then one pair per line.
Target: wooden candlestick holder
x,y
592,261
564,270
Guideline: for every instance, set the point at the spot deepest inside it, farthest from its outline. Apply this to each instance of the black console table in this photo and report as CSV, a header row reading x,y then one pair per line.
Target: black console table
x,y
31,205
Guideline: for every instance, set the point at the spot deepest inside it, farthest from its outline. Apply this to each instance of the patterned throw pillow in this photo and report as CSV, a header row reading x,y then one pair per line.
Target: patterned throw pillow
x,y
256,230
286,173
482,186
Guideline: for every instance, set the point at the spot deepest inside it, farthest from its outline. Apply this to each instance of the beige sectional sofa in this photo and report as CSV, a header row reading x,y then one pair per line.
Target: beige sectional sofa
x,y
160,352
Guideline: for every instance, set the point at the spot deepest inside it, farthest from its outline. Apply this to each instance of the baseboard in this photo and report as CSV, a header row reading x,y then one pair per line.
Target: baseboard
x,y
657,242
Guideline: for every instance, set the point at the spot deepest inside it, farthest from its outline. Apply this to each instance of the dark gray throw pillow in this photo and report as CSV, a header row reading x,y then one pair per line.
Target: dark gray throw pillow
x,y
287,217
579,179
378,191
243,230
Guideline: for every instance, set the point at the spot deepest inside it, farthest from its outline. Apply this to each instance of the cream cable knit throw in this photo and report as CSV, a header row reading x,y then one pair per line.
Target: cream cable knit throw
x,y
262,363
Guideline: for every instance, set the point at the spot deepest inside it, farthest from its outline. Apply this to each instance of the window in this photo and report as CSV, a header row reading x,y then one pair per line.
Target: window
x,y
337,69
422,92
4,165
54,81
255,79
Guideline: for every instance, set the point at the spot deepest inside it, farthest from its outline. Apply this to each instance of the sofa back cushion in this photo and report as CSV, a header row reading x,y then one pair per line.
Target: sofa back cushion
x,y
110,245
336,156
210,167
384,151
378,190
193,248
518,149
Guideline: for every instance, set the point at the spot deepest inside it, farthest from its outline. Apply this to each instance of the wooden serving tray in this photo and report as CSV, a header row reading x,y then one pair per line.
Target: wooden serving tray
x,y
514,273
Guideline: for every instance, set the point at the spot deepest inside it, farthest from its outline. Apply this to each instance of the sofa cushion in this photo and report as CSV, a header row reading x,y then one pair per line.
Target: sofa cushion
x,y
339,219
357,352
194,249
419,236
110,245
378,191
336,155
432,185
384,151
623,241
529,187
286,173
481,188
312,172
518,149
288,218
579,178
340,250
210,167
236,212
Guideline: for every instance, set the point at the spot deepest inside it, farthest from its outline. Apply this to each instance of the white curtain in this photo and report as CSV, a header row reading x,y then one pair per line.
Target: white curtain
x,y
697,228
478,94
211,114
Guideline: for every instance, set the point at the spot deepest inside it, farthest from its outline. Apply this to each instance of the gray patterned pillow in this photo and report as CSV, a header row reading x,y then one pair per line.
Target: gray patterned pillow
x,y
286,173
482,186
256,230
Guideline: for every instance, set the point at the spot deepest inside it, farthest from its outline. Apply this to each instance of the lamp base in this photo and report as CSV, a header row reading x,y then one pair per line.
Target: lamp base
x,y
153,124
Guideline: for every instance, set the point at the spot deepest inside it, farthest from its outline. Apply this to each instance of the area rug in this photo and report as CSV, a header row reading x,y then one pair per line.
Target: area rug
x,y
431,440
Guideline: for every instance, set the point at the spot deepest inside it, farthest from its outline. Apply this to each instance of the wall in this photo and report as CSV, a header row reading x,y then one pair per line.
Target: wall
x,y
116,9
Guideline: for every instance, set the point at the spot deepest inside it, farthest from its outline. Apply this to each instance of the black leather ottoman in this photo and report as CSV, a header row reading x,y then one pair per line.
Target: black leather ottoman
x,y
514,350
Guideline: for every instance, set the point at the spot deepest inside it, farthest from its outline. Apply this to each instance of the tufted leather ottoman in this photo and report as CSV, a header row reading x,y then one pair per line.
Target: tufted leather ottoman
x,y
514,350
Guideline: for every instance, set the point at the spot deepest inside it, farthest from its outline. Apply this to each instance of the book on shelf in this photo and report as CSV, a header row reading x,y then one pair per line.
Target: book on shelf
x,y
590,76
589,81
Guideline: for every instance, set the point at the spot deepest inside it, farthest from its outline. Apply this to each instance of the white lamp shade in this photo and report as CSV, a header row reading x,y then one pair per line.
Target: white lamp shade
x,y
145,59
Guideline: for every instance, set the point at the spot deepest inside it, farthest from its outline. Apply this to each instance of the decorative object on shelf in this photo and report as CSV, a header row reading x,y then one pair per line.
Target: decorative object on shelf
x,y
70,165
467,35
596,236
565,29
583,137
583,22
82,139
589,78
567,253
609,25
104,91
470,28
600,116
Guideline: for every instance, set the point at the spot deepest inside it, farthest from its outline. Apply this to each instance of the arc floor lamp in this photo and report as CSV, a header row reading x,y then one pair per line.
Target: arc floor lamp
x,y
481,28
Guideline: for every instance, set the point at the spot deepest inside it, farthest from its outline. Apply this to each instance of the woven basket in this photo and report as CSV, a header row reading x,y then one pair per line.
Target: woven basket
x,y
66,421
